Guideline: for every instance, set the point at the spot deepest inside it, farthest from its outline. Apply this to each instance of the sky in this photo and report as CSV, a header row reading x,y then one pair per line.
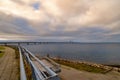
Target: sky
x,y
60,20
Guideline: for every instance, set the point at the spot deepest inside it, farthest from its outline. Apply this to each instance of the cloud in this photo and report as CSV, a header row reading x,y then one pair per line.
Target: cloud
x,y
10,25
23,10
80,20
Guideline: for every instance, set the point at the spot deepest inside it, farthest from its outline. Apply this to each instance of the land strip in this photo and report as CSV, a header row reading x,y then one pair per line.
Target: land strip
x,y
9,65
73,71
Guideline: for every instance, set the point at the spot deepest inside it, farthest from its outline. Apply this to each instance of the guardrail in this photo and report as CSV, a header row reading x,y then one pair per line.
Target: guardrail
x,y
42,64
22,68
37,74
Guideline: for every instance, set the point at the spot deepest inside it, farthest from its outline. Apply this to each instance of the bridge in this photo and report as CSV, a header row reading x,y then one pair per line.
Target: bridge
x,y
32,42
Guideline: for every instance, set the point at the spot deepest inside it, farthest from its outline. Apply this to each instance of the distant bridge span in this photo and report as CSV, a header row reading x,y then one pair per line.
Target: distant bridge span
x,y
29,43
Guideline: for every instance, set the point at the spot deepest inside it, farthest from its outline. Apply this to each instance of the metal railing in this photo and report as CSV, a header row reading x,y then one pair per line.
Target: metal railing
x,y
37,74
22,68
51,73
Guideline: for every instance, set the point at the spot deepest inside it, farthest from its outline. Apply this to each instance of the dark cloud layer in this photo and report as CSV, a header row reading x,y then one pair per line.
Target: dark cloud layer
x,y
80,20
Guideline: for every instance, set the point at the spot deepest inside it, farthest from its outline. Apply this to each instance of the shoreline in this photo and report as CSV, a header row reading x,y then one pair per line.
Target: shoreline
x,y
87,66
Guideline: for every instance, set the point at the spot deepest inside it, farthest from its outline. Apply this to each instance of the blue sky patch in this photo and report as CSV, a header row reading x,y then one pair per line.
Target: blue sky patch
x,y
36,6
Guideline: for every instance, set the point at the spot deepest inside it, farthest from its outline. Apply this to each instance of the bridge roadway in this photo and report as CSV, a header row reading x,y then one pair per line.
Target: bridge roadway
x,y
42,69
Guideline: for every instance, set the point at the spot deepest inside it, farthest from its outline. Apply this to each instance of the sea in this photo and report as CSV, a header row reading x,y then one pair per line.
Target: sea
x,y
102,53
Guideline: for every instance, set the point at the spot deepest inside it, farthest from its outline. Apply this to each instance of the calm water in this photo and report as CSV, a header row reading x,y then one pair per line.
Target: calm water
x,y
99,53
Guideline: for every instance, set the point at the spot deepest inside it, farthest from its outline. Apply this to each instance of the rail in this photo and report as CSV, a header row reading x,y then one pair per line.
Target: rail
x,y
22,68
37,74
43,65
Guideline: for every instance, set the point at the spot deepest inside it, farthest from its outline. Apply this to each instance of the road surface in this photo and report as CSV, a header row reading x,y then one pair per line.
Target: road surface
x,y
73,74
9,65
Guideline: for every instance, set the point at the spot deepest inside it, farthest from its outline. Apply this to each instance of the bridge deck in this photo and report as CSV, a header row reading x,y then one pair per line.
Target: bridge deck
x,y
9,65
